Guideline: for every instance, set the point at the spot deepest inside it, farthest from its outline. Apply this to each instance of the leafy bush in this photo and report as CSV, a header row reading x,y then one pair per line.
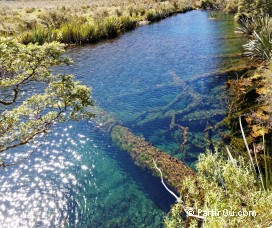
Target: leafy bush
x,y
246,26
154,15
260,46
127,23
62,98
223,186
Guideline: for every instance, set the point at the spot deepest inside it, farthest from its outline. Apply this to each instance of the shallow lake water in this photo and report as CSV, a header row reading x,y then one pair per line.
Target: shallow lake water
x,y
165,71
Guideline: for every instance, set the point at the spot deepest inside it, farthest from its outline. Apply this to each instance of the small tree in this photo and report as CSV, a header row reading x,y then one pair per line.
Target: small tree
x,y
32,99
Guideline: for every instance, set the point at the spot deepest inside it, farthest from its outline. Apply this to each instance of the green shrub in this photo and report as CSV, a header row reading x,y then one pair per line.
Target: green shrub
x,y
127,23
231,7
154,15
38,35
246,26
260,47
206,4
223,185
111,27
72,33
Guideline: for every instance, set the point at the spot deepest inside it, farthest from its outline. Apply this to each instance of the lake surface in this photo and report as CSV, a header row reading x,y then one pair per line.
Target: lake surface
x,y
153,80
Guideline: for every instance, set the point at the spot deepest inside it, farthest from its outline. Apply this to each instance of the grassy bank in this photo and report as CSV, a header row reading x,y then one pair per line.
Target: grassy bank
x,y
81,22
227,184
241,7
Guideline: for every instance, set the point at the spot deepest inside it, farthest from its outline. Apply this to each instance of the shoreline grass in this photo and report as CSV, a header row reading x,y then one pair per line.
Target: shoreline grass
x,y
32,22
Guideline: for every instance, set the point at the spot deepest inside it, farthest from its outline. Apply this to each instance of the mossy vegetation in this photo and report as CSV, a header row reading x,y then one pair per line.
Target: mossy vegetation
x,y
143,153
243,8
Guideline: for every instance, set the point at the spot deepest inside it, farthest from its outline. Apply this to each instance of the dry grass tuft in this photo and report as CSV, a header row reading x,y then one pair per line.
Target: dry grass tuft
x,y
80,21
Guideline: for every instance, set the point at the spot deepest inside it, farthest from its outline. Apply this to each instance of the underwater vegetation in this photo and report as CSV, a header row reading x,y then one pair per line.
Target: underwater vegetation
x,y
143,153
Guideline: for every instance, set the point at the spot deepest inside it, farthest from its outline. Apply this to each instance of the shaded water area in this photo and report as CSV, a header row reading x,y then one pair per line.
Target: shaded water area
x,y
153,80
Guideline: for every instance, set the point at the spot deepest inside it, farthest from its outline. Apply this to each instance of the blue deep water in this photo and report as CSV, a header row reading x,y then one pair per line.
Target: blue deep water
x,y
77,177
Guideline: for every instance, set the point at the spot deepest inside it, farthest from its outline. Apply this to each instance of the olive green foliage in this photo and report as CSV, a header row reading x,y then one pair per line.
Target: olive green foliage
x,y
80,32
231,6
82,25
228,185
260,45
250,8
243,8
246,7
246,26
52,98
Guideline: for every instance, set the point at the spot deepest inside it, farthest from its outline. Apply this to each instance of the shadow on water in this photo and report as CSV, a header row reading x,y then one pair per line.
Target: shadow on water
x,y
150,184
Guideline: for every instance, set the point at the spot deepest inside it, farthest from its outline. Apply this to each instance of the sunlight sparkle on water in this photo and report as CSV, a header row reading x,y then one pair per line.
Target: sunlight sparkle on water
x,y
39,199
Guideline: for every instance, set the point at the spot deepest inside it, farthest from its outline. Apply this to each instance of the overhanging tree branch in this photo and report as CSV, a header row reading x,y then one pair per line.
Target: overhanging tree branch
x,y
35,113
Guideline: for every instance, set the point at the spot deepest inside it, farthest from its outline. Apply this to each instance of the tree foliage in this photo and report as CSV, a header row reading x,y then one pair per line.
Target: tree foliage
x,y
32,98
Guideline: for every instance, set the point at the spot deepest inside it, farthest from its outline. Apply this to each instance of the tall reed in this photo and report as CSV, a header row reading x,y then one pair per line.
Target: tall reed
x,y
79,29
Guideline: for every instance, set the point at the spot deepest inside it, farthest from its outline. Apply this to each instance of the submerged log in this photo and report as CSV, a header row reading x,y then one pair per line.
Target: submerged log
x,y
143,153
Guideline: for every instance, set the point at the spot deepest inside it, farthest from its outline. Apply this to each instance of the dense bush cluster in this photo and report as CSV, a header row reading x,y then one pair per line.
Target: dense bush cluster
x,y
226,193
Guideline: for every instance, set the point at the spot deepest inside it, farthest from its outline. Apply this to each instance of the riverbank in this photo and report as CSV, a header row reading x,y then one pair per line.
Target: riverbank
x,y
139,149
81,23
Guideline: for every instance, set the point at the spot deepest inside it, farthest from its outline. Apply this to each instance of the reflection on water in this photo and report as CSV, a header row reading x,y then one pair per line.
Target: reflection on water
x,y
147,78
76,179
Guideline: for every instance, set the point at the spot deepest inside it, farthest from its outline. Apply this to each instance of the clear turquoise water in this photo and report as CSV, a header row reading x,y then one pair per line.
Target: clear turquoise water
x,y
135,78
78,178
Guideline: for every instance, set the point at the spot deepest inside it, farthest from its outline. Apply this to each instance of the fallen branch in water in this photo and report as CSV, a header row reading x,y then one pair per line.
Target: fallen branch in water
x,y
172,193
188,211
